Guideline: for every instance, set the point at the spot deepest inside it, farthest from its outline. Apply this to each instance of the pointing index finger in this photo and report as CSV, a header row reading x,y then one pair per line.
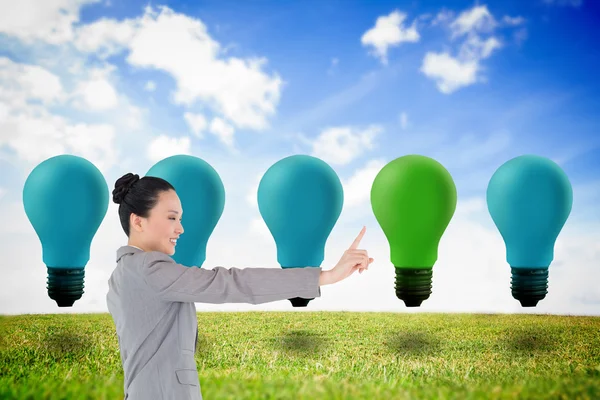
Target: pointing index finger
x,y
354,244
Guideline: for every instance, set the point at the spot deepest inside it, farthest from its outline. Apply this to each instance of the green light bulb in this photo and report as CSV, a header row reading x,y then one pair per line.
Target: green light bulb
x,y
413,198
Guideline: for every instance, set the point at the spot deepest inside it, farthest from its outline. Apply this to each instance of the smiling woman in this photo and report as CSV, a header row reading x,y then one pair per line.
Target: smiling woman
x,y
151,297
150,212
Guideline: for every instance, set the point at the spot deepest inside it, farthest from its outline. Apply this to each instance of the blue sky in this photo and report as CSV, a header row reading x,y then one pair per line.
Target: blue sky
x,y
549,76
471,84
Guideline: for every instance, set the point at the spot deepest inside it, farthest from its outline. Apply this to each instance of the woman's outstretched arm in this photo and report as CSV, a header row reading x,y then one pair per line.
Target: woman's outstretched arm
x,y
175,282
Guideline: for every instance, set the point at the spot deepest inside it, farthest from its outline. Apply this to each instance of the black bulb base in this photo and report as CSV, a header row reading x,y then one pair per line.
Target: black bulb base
x,y
413,285
529,285
65,286
299,301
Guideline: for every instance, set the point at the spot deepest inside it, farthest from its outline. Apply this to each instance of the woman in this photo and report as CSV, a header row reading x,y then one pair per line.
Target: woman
x,y
152,298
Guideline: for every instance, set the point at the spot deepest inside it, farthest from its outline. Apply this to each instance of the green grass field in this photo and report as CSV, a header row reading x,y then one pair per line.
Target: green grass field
x,y
321,355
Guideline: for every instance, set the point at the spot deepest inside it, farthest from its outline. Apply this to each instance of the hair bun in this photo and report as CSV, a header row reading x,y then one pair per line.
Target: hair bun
x,y
123,185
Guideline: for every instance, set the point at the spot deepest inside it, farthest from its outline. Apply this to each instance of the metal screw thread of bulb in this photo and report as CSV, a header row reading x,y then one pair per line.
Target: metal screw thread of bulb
x,y
65,285
413,285
299,301
529,285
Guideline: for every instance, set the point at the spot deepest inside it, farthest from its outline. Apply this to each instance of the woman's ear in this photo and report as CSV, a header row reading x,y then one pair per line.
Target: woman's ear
x,y
136,222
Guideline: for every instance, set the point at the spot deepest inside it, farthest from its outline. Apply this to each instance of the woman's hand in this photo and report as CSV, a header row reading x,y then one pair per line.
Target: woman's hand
x,y
352,260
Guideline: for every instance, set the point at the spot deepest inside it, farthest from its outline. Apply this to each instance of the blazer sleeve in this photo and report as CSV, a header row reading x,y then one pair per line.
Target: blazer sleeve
x,y
176,282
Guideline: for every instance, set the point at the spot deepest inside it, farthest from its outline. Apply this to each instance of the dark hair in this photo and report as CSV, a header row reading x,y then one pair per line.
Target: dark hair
x,y
138,196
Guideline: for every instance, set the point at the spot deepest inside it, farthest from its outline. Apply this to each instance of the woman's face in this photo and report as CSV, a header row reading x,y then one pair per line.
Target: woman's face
x,y
163,224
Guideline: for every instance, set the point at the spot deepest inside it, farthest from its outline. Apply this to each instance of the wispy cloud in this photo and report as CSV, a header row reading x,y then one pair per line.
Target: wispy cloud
x,y
389,31
333,66
236,89
51,22
453,72
33,132
336,102
96,93
224,132
357,188
472,149
165,146
341,145
196,122
150,86
403,120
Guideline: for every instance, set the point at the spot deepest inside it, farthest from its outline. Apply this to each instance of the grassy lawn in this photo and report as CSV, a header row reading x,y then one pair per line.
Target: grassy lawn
x,y
321,355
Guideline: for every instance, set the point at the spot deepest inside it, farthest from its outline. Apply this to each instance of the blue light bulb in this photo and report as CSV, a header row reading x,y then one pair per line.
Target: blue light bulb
x,y
202,197
529,198
65,199
300,199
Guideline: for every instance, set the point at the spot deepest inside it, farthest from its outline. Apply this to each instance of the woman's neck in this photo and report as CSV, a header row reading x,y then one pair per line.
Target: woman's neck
x,y
133,243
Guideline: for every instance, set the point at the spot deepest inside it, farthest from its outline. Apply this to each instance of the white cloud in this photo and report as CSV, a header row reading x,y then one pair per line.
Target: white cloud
x,y
449,73
468,207
196,122
476,49
97,92
341,145
50,21
236,88
357,189
403,120
21,82
133,116
93,142
223,131
454,72
150,86
260,230
252,195
442,17
477,19
4,111
36,136
520,36
508,20
105,37
165,146
34,133
389,31
333,67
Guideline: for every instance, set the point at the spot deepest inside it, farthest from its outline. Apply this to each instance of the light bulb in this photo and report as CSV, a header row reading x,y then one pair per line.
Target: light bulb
x,y
65,198
413,198
300,199
529,199
202,197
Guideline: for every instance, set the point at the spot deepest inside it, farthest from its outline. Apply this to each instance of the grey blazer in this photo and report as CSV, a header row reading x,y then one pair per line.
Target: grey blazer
x,y
151,299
